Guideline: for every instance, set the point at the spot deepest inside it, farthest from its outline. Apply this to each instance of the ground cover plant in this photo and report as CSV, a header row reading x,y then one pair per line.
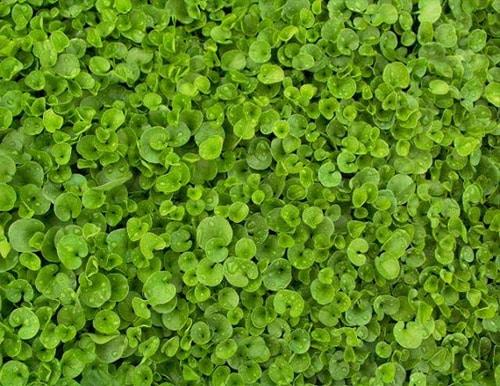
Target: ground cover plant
x,y
249,192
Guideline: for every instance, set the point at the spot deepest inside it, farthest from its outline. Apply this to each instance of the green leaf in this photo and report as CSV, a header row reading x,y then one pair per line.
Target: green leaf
x,y
106,322
99,65
408,335
388,267
9,67
71,249
233,60
465,145
177,176
214,227
300,341
402,186
328,176
8,197
14,373
492,93
67,66
200,333
95,291
51,121
287,301
429,10
26,320
278,275
259,155
280,372
20,233
356,250
322,293
211,147
67,206
438,87
396,75
270,73
112,119
21,14
259,51
386,13
158,289
112,350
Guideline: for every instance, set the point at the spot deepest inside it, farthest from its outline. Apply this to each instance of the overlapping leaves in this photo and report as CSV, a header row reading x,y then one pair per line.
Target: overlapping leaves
x,y
249,192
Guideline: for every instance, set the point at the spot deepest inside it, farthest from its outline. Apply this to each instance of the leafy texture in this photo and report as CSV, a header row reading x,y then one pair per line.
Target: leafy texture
x,y
249,192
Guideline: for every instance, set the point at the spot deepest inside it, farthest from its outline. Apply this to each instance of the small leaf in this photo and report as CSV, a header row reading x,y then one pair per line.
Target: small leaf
x,y
270,73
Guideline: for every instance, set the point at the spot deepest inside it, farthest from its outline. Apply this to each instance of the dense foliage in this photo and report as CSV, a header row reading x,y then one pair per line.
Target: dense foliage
x,y
249,192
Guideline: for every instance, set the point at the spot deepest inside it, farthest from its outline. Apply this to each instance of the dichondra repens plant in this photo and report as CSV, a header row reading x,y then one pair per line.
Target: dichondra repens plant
x,y
249,192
